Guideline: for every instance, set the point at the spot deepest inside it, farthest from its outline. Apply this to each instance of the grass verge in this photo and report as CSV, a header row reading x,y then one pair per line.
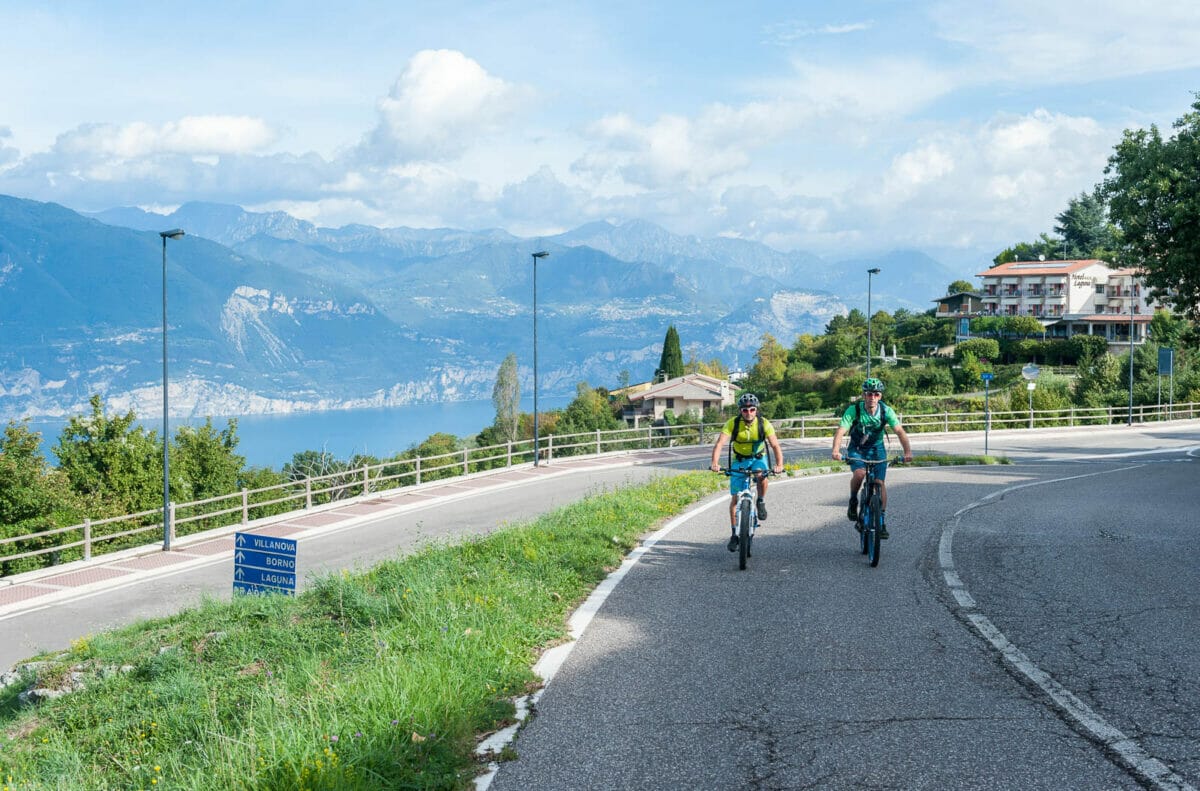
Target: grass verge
x,y
378,679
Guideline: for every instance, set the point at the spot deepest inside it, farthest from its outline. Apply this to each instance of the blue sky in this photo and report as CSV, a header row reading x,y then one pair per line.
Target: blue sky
x,y
954,127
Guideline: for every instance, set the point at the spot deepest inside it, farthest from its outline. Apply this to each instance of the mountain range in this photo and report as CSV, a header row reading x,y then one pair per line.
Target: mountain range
x,y
269,313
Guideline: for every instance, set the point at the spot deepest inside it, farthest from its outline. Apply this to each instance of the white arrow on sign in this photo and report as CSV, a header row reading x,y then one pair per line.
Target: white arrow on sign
x,y
241,540
239,574
240,557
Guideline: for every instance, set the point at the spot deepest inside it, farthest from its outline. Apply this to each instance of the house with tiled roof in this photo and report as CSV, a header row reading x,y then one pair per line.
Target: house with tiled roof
x,y
1072,297
683,394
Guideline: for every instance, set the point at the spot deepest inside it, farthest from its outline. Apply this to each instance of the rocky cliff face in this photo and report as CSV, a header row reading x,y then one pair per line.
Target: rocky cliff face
x,y
271,314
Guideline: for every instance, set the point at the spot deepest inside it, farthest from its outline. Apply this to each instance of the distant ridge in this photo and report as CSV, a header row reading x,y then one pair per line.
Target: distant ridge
x,y
272,313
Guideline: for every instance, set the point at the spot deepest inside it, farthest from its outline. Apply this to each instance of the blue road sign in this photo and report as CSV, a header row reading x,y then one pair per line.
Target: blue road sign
x,y
1166,361
985,376
264,560
271,579
264,564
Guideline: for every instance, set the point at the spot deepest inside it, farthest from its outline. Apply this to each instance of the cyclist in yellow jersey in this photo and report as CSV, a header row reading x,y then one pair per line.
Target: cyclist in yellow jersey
x,y
749,456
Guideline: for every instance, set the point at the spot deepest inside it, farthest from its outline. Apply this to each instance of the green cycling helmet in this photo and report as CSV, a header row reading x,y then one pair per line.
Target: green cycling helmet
x,y
874,385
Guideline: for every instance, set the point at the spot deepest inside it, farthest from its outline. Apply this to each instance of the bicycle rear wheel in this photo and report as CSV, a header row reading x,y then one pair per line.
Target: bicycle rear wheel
x,y
874,546
743,534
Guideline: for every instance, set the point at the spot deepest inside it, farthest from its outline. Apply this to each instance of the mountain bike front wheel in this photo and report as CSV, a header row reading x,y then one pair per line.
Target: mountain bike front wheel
x,y
744,518
864,507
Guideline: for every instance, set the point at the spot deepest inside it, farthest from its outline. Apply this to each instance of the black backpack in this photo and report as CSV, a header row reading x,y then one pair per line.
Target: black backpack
x,y
859,436
759,443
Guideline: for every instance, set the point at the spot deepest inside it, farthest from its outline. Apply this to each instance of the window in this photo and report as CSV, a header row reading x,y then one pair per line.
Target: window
x,y
1100,289
670,403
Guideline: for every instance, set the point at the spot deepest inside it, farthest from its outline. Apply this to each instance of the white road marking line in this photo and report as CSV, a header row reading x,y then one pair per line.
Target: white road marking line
x,y
1135,758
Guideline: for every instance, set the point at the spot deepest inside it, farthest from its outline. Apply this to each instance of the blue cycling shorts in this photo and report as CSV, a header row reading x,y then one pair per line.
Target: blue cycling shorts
x,y
856,457
740,468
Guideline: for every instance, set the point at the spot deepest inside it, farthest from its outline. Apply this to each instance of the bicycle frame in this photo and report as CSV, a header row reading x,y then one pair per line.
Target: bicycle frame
x,y
869,522
746,509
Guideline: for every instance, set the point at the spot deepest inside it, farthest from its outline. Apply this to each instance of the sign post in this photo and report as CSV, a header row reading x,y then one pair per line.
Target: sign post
x,y
264,564
1030,372
1166,365
986,376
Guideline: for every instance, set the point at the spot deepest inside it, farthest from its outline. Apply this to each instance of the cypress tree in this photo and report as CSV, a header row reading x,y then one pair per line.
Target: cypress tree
x,y
670,365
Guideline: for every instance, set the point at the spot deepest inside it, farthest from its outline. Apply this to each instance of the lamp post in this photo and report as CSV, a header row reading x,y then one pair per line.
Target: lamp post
x,y
536,256
870,272
175,233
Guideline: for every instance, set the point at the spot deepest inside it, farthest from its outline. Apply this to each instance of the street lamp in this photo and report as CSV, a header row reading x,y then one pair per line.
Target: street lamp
x,y
536,256
870,272
175,233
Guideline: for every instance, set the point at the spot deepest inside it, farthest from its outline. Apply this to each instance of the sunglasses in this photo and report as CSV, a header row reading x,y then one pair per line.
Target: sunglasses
x,y
875,393
749,409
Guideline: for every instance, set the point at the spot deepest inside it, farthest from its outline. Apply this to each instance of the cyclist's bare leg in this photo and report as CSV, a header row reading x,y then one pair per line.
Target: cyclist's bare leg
x,y
856,480
733,510
883,496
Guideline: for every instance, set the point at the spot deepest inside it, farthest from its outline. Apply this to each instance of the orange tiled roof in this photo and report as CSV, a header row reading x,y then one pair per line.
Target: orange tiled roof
x,y
1017,268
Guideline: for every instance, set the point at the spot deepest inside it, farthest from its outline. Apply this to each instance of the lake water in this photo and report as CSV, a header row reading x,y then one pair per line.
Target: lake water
x,y
272,440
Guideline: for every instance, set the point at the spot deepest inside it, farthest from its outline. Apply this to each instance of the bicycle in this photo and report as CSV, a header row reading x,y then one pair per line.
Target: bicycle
x,y
746,510
870,509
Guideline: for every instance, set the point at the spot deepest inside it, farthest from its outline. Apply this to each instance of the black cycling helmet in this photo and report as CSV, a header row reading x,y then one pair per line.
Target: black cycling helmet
x,y
747,400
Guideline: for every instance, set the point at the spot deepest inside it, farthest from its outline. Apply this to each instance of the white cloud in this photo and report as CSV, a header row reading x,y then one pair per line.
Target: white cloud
x,y
995,184
8,154
1073,40
198,135
441,104
788,33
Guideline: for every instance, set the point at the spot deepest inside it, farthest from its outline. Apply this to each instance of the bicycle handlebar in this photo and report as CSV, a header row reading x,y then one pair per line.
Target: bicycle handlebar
x,y
765,473
872,462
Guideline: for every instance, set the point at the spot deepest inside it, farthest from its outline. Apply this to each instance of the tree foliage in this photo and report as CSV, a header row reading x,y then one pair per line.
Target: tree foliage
x,y
1085,229
1153,193
670,364
112,460
204,462
506,397
959,287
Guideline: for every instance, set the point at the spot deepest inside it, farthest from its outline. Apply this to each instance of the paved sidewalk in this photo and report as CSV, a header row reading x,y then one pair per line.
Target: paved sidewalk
x,y
37,589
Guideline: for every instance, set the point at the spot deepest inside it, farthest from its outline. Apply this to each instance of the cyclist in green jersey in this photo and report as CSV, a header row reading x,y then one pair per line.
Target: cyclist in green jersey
x,y
867,421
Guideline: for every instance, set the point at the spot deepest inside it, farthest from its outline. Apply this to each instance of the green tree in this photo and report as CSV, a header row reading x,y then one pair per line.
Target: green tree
x,y
1085,230
506,397
957,287
33,497
670,365
588,412
1044,247
1099,381
1023,325
770,362
203,461
1166,329
854,323
1153,193
112,460
982,348
32,493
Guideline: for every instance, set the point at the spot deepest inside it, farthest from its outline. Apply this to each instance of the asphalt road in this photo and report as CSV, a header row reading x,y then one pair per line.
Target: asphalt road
x,y
812,670
1030,626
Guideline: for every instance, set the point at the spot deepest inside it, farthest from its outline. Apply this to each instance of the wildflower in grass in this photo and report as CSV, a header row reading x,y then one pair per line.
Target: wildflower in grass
x,y
333,738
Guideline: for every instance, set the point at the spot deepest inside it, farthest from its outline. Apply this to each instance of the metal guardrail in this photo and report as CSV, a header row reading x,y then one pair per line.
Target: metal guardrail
x,y
98,536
